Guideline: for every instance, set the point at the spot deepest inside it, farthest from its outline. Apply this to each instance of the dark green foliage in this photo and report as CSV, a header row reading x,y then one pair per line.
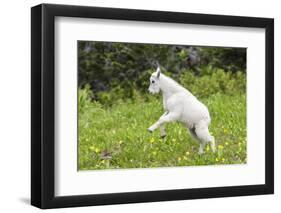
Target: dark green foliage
x,y
229,59
105,65
125,68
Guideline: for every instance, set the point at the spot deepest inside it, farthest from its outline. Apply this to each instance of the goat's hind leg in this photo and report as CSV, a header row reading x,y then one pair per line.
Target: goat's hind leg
x,y
202,132
193,133
201,143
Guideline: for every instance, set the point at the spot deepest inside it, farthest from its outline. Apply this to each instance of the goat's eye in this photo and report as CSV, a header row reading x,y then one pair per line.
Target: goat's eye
x,y
153,81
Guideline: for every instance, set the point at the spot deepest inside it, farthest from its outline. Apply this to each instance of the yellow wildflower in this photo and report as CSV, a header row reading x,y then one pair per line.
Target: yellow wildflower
x,y
217,159
220,146
179,158
97,150
154,153
152,140
187,153
184,157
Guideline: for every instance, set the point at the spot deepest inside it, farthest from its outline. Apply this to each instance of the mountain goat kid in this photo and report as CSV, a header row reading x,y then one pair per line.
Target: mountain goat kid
x,y
180,105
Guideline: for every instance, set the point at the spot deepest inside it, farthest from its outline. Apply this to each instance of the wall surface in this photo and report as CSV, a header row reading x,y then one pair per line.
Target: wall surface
x,y
15,105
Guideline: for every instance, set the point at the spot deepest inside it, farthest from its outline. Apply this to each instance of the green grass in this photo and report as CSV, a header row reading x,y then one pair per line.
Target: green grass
x,y
117,136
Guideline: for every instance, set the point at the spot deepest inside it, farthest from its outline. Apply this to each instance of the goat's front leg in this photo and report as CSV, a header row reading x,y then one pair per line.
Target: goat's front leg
x,y
155,126
167,117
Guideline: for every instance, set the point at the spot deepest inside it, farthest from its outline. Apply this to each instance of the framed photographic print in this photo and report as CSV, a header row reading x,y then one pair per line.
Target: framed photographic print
x,y
139,106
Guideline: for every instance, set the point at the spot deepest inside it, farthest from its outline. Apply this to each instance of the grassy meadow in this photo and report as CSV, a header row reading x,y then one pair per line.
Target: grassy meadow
x,y
117,137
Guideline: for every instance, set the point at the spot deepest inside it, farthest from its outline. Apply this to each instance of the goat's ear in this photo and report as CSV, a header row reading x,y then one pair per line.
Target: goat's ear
x,y
158,72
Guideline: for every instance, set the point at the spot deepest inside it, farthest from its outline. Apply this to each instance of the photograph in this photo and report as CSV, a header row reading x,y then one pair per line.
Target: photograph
x,y
143,105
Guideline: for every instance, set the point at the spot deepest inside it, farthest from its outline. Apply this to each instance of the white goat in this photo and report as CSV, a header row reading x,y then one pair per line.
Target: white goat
x,y
181,105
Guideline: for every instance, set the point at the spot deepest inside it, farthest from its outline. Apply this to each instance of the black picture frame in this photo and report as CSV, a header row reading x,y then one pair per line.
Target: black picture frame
x,y
43,105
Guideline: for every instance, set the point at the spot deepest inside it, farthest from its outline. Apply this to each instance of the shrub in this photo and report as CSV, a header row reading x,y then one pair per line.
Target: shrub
x,y
210,81
84,98
213,81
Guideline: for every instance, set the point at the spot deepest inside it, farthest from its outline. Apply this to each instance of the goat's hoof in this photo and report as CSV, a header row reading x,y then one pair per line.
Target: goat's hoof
x,y
149,130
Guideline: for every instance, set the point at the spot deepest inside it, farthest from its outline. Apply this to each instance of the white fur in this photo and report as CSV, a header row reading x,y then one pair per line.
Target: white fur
x,y
180,105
